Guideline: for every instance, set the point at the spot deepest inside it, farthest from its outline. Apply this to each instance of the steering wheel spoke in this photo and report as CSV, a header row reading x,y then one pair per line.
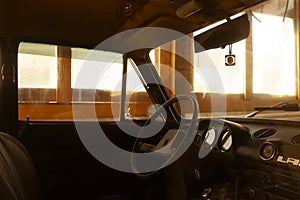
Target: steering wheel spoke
x,y
173,143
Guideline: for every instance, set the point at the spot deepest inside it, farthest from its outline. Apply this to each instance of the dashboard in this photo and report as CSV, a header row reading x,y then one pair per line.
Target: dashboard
x,y
247,159
237,158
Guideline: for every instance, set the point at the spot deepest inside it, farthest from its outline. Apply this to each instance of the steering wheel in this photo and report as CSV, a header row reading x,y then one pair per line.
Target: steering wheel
x,y
173,143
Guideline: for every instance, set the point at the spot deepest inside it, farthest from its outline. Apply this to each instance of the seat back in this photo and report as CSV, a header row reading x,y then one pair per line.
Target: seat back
x,y
18,179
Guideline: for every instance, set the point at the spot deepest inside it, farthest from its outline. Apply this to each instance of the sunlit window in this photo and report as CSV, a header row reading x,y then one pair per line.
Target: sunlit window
x,y
52,79
107,64
273,55
213,76
269,57
37,66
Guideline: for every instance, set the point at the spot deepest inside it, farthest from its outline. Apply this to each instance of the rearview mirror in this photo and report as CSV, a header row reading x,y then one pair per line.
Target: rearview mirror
x,y
225,34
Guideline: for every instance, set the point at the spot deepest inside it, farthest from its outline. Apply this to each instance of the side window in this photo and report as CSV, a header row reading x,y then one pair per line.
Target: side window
x,y
51,79
37,73
107,65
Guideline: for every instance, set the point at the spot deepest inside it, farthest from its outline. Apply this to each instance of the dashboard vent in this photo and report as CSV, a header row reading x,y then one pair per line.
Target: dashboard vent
x,y
264,133
296,139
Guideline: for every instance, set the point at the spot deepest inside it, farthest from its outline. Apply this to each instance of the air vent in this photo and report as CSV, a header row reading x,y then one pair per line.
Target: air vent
x,y
264,133
296,139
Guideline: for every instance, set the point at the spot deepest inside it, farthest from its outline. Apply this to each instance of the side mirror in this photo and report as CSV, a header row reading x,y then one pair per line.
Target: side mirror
x,y
224,34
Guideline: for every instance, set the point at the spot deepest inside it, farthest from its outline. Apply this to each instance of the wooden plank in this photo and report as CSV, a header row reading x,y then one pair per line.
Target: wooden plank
x,y
63,112
64,92
248,80
184,62
167,66
235,103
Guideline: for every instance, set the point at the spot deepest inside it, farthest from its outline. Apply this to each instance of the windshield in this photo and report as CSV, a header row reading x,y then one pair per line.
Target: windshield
x,y
233,81
260,71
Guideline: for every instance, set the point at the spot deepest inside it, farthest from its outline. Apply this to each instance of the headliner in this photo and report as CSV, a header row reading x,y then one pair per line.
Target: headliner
x,y
86,23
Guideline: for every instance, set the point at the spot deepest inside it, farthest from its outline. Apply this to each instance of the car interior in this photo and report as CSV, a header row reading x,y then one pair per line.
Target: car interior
x,y
149,99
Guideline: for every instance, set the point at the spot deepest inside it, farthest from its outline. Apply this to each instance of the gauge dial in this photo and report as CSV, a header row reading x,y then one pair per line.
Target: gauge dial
x,y
210,136
267,151
225,141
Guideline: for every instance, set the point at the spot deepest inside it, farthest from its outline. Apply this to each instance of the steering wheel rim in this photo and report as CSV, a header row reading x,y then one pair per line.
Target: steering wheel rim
x,y
189,133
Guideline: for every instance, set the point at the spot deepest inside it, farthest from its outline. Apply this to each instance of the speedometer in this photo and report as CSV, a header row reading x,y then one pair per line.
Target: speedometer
x,y
210,136
226,140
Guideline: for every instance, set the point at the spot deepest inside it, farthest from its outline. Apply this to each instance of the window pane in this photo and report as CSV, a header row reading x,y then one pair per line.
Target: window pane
x,y
110,65
108,68
273,55
37,73
55,80
209,63
37,66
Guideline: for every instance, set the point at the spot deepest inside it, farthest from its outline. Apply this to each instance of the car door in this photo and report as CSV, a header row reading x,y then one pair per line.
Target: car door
x,y
53,105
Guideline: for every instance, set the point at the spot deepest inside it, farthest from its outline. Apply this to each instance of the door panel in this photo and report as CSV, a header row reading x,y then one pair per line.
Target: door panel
x,y
67,170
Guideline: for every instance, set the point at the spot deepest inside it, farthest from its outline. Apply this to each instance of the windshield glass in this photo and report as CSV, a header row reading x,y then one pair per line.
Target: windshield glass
x,y
258,72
